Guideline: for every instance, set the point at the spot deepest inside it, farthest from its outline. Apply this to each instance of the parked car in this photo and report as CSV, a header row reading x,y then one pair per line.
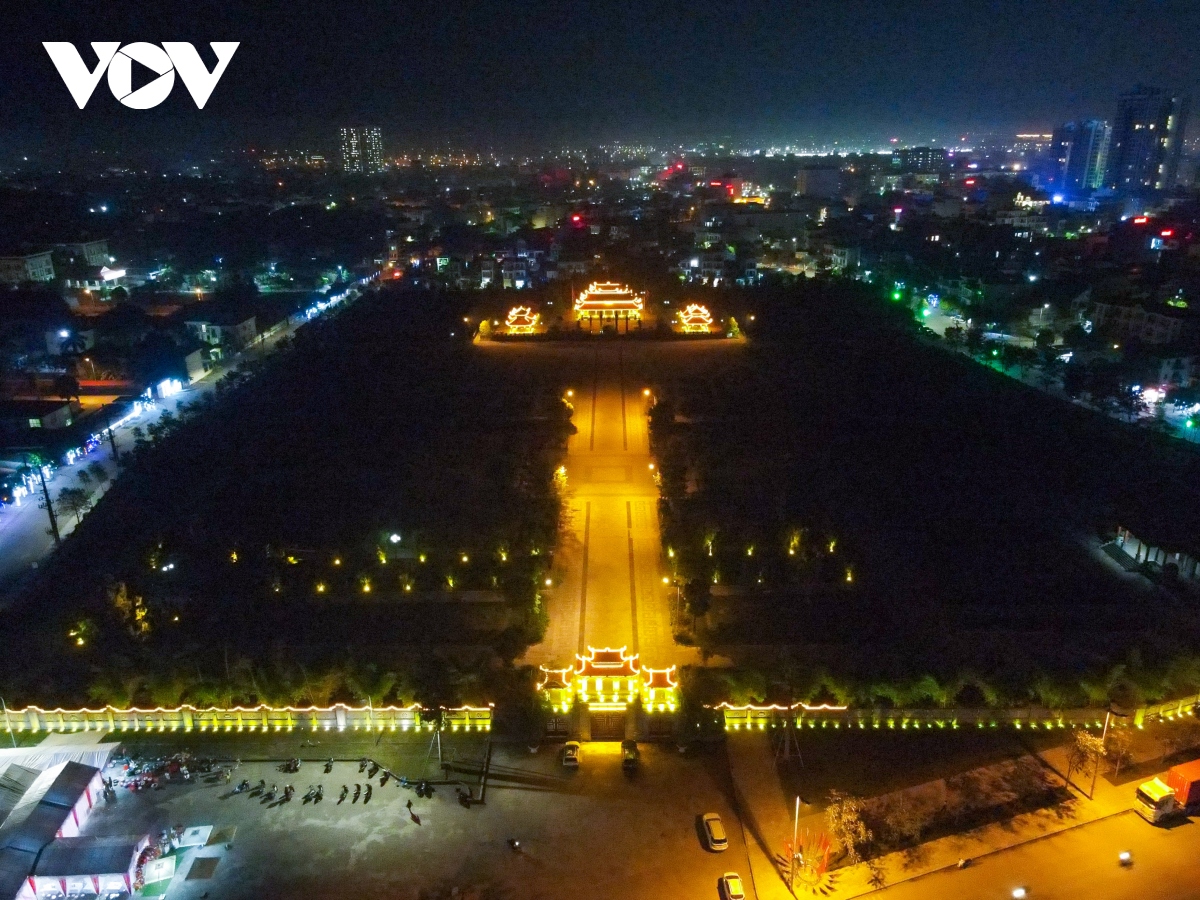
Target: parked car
x,y
731,886
714,833
571,755
629,755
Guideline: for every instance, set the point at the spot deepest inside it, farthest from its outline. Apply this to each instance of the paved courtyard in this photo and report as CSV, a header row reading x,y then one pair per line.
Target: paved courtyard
x,y
596,832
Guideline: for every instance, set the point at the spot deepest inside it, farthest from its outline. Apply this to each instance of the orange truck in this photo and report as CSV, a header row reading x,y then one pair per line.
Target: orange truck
x,y
1158,799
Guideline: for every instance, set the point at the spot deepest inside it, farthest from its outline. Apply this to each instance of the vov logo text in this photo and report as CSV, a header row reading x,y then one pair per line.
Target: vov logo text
x,y
165,60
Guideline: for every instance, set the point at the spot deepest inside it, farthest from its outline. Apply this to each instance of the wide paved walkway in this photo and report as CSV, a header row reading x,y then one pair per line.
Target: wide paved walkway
x,y
609,590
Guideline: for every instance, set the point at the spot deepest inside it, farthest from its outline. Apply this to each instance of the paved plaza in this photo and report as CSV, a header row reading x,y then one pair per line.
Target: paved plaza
x,y
593,833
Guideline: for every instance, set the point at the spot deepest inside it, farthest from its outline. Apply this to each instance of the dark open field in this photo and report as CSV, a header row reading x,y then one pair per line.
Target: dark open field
x,y
896,512
257,536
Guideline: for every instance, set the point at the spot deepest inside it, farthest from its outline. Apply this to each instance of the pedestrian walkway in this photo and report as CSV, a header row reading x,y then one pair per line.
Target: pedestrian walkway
x,y
766,814
945,853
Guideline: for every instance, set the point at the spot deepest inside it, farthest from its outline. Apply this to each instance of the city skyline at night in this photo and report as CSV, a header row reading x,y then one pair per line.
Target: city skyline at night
x,y
468,75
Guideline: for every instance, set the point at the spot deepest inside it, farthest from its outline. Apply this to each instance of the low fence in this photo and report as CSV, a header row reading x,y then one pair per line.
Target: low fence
x,y
338,717
754,716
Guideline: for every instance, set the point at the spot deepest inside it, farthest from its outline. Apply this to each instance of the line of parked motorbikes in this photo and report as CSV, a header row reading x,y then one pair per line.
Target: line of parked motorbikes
x,y
316,793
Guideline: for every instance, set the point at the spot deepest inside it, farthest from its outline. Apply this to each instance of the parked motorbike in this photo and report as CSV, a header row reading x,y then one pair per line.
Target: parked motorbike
x,y
345,793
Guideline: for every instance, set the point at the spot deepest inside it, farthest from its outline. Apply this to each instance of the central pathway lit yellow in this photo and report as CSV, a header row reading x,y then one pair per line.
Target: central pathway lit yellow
x,y
609,590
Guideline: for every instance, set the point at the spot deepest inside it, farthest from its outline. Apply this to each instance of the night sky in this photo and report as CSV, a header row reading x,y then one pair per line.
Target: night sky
x,y
533,74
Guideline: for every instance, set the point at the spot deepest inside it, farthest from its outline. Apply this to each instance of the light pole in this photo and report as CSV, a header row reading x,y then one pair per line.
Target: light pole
x,y
1096,762
795,849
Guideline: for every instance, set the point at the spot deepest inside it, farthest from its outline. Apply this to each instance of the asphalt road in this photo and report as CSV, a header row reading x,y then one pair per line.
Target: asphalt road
x,y
1080,864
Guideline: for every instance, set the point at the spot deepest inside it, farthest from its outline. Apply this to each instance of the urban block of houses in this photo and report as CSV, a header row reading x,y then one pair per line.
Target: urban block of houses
x,y
1131,319
30,267
228,329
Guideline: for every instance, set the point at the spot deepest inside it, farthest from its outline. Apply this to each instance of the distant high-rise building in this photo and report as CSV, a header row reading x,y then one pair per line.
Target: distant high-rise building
x,y
920,159
1081,155
1147,137
362,150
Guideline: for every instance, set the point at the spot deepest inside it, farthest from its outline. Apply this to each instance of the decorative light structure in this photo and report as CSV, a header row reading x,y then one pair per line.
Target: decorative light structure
x,y
521,320
695,319
606,300
609,679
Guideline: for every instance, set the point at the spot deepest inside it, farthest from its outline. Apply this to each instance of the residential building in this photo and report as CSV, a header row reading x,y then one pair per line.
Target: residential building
x,y
819,181
487,272
30,267
1083,155
920,159
1130,319
1147,138
1173,371
94,253
221,328
362,151
515,273
19,415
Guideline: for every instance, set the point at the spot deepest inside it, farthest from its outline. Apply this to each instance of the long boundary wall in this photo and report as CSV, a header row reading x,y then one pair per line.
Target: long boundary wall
x,y
339,717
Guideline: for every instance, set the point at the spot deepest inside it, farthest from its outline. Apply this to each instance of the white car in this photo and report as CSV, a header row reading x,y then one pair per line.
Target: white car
x,y
731,886
571,755
714,833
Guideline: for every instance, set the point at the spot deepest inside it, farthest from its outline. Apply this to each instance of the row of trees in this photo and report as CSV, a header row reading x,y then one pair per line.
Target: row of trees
x,y
274,682
784,678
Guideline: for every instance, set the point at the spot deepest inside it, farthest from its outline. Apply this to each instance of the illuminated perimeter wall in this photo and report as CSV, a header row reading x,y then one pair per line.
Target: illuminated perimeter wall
x,y
339,717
